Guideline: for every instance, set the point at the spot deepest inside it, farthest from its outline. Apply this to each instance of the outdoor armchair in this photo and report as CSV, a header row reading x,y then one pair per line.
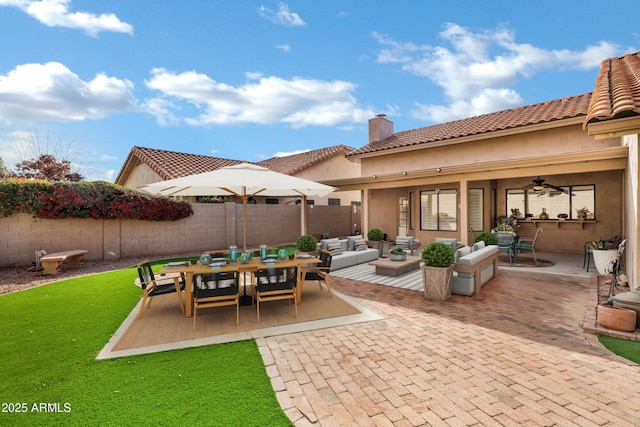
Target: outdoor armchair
x,y
216,290
152,287
320,272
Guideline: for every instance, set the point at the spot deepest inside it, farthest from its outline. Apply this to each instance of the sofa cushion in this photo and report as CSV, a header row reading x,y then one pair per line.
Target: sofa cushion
x,y
478,255
464,251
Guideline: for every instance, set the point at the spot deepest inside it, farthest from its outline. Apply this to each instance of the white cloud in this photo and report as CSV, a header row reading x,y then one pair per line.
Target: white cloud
x,y
36,92
56,13
263,100
477,70
284,47
282,16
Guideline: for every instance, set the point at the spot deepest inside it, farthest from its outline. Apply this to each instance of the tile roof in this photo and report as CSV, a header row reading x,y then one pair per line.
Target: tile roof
x,y
296,162
617,89
544,112
172,164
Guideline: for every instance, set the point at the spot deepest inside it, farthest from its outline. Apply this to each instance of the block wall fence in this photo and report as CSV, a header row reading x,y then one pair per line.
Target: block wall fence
x,y
213,226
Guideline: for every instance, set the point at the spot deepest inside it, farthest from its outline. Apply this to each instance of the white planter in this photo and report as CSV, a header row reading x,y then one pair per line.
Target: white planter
x,y
602,257
398,257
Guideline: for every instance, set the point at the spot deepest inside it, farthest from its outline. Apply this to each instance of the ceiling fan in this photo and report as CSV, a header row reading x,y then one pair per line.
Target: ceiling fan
x,y
540,185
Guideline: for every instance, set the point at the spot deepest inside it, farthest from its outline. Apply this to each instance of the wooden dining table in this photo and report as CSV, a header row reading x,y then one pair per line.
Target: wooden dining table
x,y
300,262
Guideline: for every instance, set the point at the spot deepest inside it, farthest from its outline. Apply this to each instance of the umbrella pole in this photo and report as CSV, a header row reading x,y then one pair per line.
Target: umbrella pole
x,y
245,299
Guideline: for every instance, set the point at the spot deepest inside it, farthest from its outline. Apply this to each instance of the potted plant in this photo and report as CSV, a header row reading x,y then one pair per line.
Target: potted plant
x,y
397,254
375,236
487,237
582,213
307,243
437,271
603,252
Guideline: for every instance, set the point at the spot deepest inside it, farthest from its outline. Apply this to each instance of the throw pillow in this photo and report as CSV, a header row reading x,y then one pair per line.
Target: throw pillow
x,y
361,246
324,243
478,245
335,248
462,252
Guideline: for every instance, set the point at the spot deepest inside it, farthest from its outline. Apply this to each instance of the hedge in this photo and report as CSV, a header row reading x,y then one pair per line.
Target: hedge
x,y
99,200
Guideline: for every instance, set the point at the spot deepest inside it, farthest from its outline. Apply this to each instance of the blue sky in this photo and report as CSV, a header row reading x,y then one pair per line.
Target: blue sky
x,y
88,80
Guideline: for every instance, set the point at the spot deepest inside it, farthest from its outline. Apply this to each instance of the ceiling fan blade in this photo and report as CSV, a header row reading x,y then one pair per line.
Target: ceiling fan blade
x,y
562,190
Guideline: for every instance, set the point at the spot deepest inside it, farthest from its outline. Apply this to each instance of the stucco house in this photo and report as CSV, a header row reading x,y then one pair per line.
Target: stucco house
x,y
147,165
443,180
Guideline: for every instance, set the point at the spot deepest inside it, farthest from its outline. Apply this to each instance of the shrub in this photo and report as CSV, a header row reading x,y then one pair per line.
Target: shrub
x,y
306,243
438,254
99,200
487,237
375,234
396,250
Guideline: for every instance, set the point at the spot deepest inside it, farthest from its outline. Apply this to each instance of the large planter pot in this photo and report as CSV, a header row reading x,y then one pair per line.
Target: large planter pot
x,y
619,319
602,257
376,244
437,282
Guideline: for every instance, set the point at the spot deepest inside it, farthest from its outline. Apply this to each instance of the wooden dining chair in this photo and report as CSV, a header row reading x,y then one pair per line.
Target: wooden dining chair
x,y
320,272
152,287
275,284
216,290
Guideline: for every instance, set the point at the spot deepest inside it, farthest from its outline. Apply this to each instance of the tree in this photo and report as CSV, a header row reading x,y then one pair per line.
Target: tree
x,y
44,158
47,167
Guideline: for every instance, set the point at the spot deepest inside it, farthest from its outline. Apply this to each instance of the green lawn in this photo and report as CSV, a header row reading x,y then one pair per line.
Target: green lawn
x,y
51,335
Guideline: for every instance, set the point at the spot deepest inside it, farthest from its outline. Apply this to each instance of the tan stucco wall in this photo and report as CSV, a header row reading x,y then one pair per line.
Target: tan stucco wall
x,y
335,167
141,175
569,139
213,226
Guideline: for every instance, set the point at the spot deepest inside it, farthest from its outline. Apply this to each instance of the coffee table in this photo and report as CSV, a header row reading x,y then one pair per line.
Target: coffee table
x,y
387,267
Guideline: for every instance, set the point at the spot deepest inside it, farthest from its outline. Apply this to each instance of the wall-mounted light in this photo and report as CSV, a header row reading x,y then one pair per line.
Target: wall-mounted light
x,y
375,176
438,170
404,173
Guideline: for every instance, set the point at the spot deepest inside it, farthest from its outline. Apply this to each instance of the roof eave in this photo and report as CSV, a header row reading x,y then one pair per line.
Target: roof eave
x,y
476,137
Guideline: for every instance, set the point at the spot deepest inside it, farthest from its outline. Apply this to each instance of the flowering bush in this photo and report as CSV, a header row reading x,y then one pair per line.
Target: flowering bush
x,y
99,200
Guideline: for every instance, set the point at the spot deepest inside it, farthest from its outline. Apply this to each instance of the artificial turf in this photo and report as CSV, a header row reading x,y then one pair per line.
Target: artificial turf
x,y
51,334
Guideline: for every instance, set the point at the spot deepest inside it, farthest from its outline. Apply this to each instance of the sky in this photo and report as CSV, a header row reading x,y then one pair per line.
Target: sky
x,y
88,80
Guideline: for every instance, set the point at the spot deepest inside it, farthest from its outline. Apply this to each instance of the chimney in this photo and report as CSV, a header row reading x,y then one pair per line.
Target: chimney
x,y
380,128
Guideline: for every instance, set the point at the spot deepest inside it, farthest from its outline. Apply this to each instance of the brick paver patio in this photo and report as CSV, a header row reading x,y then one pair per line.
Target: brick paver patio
x,y
515,354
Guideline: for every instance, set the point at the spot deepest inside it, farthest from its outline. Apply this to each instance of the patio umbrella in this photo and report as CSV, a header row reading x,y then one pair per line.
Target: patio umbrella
x,y
243,180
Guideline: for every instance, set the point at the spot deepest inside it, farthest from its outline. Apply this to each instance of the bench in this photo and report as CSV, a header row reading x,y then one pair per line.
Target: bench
x,y
52,263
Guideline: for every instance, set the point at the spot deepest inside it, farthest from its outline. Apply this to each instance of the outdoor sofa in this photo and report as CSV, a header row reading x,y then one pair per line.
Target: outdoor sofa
x,y
474,267
347,252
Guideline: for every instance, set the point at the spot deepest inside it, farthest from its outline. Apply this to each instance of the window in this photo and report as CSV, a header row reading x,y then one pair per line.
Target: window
x,y
476,208
270,201
439,210
334,202
553,202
